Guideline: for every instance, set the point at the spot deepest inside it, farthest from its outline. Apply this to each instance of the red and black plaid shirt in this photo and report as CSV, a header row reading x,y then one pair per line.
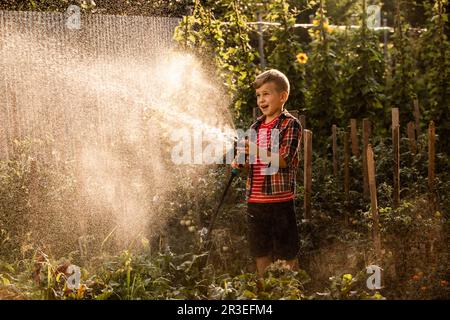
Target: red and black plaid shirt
x,y
290,134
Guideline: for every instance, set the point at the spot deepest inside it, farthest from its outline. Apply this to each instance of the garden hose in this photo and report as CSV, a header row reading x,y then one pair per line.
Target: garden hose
x,y
208,242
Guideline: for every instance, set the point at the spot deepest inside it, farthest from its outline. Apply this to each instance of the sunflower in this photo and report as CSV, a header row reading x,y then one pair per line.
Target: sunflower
x,y
302,58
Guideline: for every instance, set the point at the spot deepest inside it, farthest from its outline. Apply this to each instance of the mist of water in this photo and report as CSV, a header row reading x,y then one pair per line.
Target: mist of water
x,y
109,102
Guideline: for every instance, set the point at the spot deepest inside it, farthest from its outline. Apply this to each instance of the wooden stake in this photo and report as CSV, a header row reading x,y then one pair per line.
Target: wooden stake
x,y
354,134
346,166
295,113
300,154
308,173
366,137
373,202
396,150
417,117
411,137
346,177
333,133
302,121
431,160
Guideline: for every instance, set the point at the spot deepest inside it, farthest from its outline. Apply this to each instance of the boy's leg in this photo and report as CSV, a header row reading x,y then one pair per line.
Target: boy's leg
x,y
292,264
261,264
260,239
286,240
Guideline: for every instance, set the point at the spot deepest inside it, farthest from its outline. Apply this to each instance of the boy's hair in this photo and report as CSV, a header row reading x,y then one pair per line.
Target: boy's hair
x,y
272,75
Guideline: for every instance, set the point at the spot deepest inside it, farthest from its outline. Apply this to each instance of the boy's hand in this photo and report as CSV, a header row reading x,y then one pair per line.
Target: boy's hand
x,y
235,165
245,146
242,147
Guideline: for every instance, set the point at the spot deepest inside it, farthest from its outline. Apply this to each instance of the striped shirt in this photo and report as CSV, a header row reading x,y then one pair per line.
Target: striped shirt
x,y
284,180
256,195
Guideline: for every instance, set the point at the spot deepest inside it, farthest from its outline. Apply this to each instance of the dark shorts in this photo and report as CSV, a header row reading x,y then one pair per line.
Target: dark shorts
x,y
273,230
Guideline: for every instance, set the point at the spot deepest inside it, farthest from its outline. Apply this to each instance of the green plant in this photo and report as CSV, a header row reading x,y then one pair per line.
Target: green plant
x,y
401,85
349,287
283,47
435,64
362,77
324,108
279,283
224,44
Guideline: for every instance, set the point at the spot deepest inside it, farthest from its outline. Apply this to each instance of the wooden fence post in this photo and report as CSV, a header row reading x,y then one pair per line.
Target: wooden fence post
x,y
417,117
300,173
302,121
366,137
373,202
335,166
431,165
411,137
396,150
346,166
354,135
308,173
295,113
346,175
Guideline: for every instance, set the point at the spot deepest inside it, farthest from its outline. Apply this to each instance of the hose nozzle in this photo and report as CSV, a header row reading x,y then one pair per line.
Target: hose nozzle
x,y
235,172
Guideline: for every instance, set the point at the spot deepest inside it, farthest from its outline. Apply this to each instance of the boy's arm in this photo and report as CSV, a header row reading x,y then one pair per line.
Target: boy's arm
x,y
266,156
288,146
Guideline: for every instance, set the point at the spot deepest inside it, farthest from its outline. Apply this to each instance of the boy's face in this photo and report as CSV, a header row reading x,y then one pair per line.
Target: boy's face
x,y
270,101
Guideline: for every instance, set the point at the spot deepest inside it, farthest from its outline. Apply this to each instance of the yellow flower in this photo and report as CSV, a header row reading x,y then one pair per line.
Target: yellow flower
x,y
302,58
378,296
80,292
316,22
347,277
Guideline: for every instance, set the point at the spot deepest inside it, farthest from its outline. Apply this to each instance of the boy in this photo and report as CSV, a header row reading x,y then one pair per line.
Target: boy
x,y
270,194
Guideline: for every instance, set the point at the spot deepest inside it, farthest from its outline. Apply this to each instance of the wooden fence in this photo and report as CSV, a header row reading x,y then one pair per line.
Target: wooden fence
x,y
368,174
